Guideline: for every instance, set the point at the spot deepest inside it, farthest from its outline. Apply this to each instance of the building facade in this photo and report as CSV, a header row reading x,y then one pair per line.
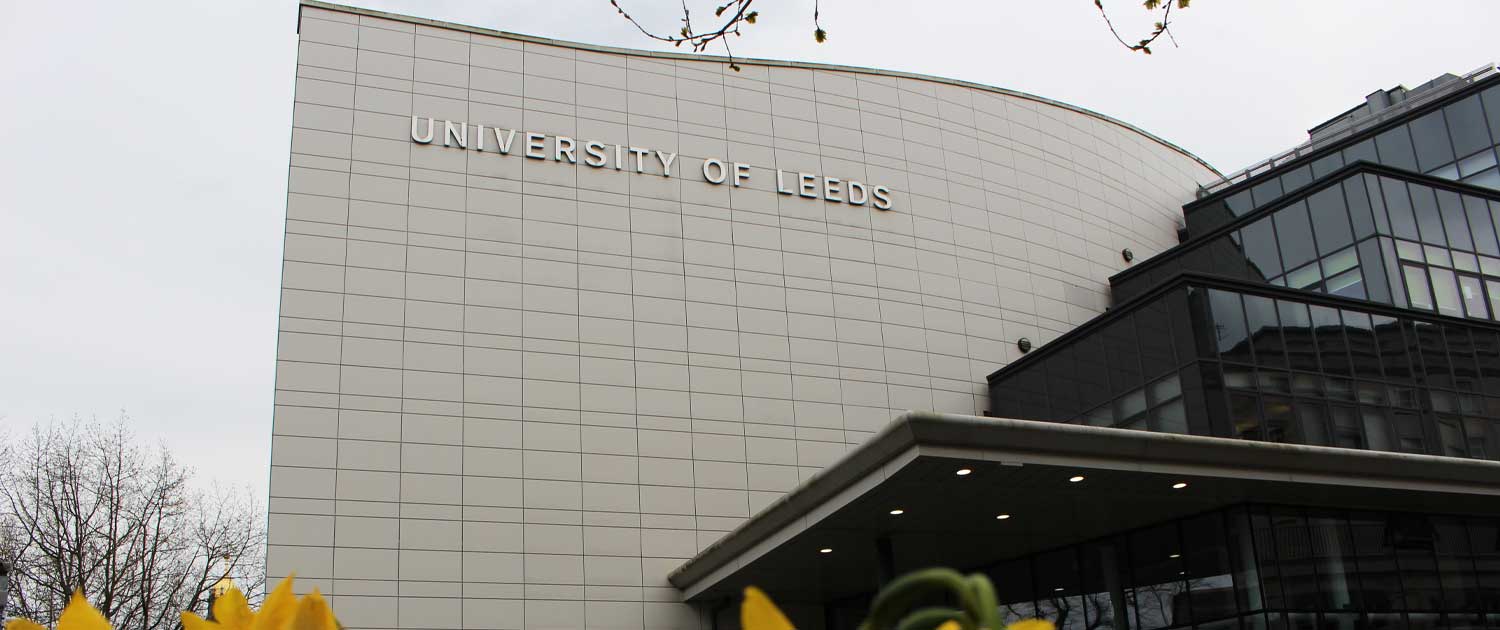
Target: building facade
x,y
564,328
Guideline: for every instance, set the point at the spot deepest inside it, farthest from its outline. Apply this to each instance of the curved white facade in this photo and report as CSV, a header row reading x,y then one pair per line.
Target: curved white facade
x,y
517,392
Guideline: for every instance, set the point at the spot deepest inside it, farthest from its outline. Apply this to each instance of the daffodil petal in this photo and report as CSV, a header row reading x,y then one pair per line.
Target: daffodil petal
x,y
24,624
232,612
81,615
758,612
949,625
278,608
1031,624
191,621
313,613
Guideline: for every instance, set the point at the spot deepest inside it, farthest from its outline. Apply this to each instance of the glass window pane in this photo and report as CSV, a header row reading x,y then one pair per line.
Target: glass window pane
x,y
1259,240
1349,284
1239,203
1208,571
1346,427
1445,290
1398,205
1429,221
1455,221
1330,219
1305,278
1371,271
1327,164
1265,331
1429,135
1478,215
1363,350
1393,359
1484,539
1266,191
1464,261
1339,262
1229,324
1280,419
1100,568
1475,163
1293,548
1410,250
1244,416
1296,178
1013,589
1417,292
1297,330
1377,430
1364,151
1359,207
1377,203
1489,178
1335,560
1494,288
1059,589
1491,100
1437,256
1328,328
1157,575
1395,149
1378,578
1412,537
1294,233
1313,423
1466,126
1473,296
1242,557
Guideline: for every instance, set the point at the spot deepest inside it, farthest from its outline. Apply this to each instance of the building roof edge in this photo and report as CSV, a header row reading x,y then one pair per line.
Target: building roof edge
x,y
755,61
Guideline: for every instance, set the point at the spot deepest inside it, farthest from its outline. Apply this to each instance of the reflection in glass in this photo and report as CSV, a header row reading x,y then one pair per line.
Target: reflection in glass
x,y
1417,292
1473,296
1259,240
1429,221
1295,234
1398,205
1445,290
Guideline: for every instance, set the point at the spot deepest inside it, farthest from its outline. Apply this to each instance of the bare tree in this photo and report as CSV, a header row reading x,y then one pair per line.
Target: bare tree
x,y
732,15
84,505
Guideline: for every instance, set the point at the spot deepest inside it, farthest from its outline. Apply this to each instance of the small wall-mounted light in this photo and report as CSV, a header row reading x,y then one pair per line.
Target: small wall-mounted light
x,y
1127,254
1024,345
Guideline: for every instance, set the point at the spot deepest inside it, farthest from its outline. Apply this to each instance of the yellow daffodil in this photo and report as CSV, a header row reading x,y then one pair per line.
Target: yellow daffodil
x,y
281,611
78,615
758,612
1031,624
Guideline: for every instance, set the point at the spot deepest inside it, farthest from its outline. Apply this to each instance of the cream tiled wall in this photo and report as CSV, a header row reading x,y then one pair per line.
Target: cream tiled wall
x,y
516,393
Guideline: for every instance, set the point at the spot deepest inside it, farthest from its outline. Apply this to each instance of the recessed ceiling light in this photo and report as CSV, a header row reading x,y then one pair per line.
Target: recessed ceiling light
x,y
1058,589
897,512
1179,485
1075,478
1175,555
1002,517
1182,573
826,550
963,471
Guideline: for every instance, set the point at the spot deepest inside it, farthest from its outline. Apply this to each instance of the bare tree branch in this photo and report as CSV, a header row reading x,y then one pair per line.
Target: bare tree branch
x,y
1161,28
85,506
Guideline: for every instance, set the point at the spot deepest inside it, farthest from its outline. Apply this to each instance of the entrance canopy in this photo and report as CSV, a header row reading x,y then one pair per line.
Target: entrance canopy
x,y
903,500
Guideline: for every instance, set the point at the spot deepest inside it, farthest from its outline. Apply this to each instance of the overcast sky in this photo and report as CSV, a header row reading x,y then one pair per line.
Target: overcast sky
x,y
143,154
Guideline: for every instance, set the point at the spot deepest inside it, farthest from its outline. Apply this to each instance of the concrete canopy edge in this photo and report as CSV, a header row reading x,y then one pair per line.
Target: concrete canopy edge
x,y
972,437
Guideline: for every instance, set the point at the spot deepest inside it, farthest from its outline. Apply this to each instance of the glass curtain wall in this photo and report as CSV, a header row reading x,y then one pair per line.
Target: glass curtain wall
x,y
1455,142
1262,567
1367,237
